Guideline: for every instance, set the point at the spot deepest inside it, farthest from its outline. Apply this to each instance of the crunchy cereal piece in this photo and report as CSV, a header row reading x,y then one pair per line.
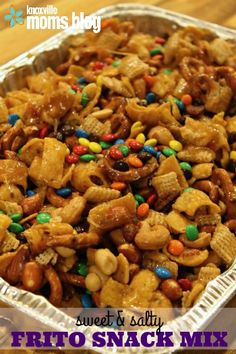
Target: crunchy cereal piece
x,y
224,244
44,169
122,87
131,66
122,272
93,126
10,207
189,297
196,154
172,165
190,201
97,194
11,193
112,294
10,243
48,256
13,172
166,185
65,264
156,218
141,289
208,273
161,301
145,280
72,211
212,258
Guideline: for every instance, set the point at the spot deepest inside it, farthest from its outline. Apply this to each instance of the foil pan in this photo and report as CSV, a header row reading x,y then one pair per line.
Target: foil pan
x,y
149,19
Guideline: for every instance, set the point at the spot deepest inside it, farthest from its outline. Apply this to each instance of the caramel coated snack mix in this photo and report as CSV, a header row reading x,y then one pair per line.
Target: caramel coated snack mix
x,y
117,171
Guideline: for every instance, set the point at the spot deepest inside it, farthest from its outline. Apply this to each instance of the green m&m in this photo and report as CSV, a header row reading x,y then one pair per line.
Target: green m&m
x,y
191,232
43,218
16,217
16,228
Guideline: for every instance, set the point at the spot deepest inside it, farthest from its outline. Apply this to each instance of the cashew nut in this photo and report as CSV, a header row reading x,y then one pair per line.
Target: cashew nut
x,y
151,237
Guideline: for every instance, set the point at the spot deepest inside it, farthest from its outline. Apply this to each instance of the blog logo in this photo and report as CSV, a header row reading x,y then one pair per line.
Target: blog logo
x,y
41,18
14,16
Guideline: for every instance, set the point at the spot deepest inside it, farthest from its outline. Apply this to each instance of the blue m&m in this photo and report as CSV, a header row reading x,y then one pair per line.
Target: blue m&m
x,y
162,272
86,301
13,118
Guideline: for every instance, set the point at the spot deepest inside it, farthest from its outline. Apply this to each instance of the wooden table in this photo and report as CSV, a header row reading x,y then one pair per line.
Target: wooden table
x,y
16,40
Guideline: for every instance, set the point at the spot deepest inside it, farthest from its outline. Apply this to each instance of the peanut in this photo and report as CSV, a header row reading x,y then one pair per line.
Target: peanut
x,y
131,252
65,252
91,255
171,289
106,261
32,204
122,273
129,231
117,237
93,282
103,114
103,277
14,271
32,276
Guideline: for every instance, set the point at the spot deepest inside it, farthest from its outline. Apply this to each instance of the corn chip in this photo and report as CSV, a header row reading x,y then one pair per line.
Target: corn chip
x,y
196,154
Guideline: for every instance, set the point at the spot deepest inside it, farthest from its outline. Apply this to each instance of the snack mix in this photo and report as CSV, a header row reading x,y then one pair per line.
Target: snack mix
x,y
117,170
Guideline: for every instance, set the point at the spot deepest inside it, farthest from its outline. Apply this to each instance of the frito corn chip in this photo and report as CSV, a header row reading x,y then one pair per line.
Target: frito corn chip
x,y
190,201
